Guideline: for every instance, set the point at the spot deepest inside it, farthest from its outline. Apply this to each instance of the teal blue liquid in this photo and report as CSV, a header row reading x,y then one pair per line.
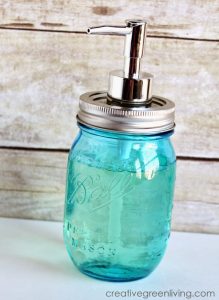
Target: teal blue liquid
x,y
118,205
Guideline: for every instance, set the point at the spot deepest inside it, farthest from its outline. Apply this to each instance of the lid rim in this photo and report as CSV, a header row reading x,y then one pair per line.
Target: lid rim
x,y
144,131
97,113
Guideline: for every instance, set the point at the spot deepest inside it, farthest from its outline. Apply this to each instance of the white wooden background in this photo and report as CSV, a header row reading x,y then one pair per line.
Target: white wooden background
x,y
47,61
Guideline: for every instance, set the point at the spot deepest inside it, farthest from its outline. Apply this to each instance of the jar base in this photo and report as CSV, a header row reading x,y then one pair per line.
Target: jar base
x,y
114,273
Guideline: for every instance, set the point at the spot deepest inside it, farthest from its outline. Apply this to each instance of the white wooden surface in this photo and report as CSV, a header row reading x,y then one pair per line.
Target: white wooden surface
x,y
35,265
169,18
47,61
43,74
32,185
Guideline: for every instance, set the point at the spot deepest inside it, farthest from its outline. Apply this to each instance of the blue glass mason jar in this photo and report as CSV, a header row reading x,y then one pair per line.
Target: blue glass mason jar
x,y
119,198
121,171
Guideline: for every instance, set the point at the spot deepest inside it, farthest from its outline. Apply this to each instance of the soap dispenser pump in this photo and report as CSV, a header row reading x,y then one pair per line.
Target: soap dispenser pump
x,y
121,171
128,86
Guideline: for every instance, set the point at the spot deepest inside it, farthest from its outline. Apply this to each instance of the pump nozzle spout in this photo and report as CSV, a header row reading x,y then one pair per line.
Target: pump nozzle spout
x,y
109,30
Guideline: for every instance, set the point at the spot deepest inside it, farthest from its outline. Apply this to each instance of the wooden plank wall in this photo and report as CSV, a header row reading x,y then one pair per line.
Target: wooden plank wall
x,y
47,61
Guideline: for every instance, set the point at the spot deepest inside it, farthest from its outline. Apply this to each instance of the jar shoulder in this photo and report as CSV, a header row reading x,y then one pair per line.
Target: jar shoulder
x,y
121,153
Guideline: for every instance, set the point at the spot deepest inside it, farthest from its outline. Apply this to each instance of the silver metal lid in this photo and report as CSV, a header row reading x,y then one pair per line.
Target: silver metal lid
x,y
97,110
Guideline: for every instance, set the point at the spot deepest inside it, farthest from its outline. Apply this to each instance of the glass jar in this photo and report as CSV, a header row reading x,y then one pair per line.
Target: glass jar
x,y
119,198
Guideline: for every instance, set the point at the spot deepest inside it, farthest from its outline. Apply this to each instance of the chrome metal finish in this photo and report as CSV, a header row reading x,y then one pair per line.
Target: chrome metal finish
x,y
129,86
109,30
130,90
134,46
96,111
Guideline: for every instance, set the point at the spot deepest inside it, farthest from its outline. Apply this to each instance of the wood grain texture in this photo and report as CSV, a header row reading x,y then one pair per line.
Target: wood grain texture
x,y
32,185
43,74
188,18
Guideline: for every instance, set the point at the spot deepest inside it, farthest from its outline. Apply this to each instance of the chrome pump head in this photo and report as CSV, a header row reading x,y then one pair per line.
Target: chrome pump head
x,y
129,87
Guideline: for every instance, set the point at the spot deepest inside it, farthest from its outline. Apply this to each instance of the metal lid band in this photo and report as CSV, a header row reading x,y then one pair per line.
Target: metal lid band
x,y
96,111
